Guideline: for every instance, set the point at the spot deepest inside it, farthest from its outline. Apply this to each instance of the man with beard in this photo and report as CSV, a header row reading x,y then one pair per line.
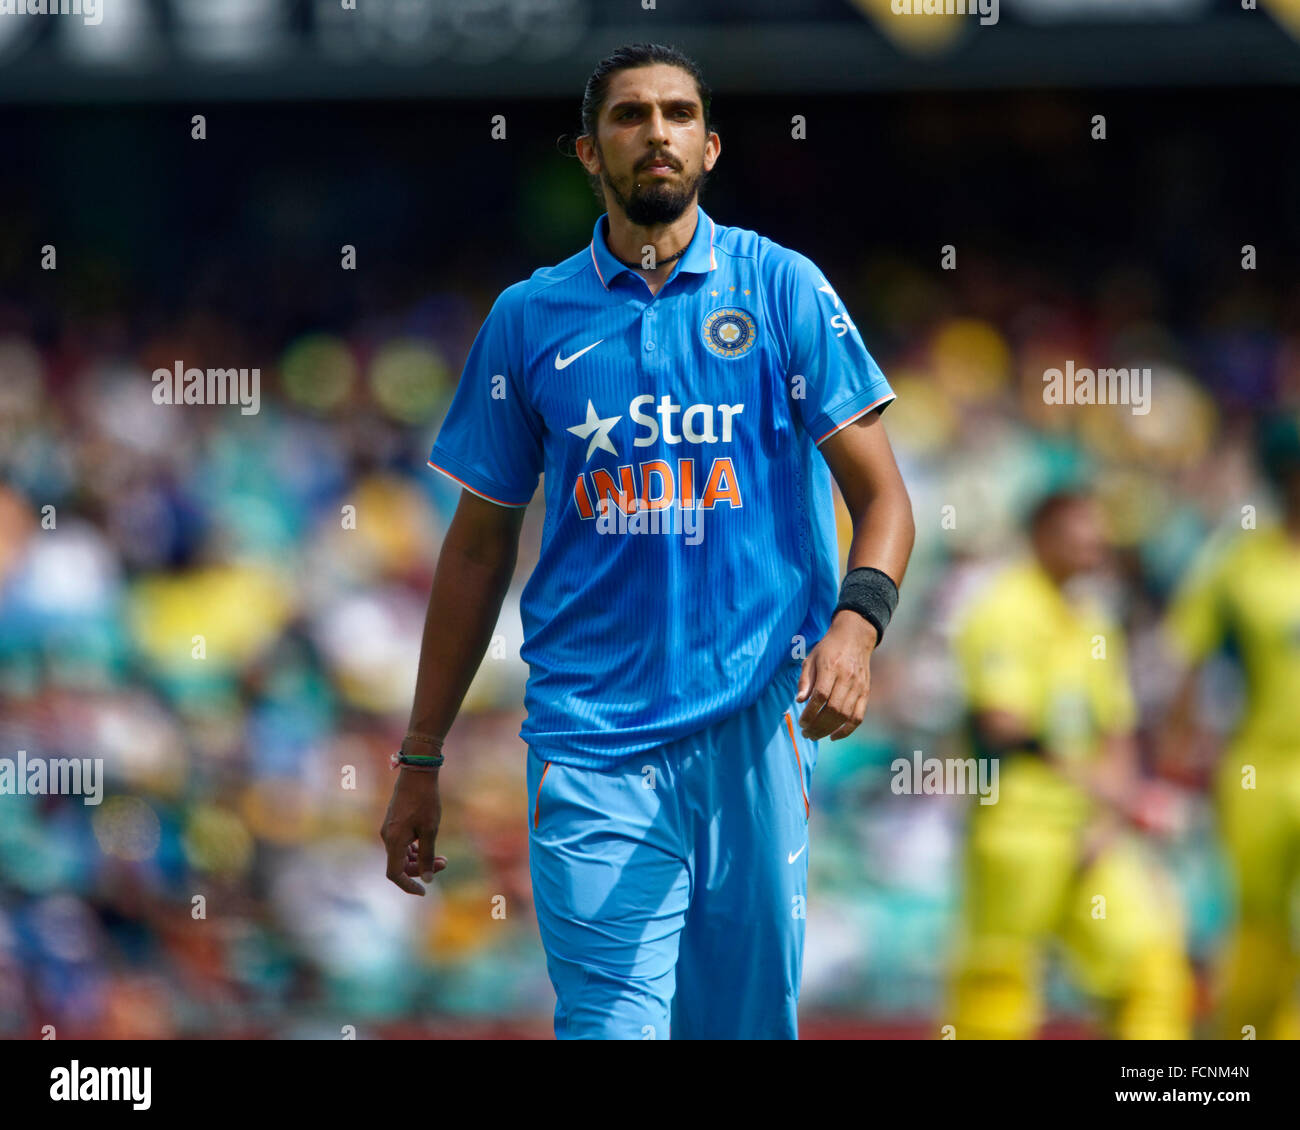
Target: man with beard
x,y
671,364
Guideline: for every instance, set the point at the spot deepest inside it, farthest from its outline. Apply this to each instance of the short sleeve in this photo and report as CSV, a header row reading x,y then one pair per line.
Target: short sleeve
x,y
491,439
1195,624
840,379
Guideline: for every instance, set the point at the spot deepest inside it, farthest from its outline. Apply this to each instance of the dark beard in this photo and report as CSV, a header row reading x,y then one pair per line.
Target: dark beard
x,y
655,203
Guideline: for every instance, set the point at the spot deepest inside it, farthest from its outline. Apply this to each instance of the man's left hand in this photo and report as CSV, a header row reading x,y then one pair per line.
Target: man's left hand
x,y
836,678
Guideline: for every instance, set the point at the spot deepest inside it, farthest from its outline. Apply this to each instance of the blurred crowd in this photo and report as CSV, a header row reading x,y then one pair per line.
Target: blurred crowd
x,y
227,610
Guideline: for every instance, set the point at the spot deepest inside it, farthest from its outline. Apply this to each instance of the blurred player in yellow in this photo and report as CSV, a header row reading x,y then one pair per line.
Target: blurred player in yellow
x,y
1056,858
1245,596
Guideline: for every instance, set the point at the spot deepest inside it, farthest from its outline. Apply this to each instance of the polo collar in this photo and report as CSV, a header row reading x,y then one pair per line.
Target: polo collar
x,y
699,257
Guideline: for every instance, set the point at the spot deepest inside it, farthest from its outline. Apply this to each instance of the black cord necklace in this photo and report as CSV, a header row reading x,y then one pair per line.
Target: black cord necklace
x,y
658,263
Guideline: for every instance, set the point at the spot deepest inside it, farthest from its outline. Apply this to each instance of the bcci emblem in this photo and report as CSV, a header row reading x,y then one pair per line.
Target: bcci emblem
x,y
729,332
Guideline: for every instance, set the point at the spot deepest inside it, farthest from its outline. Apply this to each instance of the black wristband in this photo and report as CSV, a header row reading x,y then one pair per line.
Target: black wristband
x,y
872,595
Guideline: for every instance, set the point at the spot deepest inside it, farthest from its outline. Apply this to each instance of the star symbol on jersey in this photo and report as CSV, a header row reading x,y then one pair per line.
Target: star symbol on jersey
x,y
597,429
825,288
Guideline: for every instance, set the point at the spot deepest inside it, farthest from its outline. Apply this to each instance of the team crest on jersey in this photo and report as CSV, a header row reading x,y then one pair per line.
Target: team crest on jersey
x,y
729,332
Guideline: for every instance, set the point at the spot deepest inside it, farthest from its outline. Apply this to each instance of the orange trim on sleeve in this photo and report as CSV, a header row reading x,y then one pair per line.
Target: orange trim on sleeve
x,y
857,416
499,502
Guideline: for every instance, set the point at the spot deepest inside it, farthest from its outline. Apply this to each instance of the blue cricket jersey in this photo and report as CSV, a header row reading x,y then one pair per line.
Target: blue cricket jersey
x,y
689,549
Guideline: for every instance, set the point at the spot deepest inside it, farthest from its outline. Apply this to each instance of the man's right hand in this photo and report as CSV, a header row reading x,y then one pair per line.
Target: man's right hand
x,y
410,829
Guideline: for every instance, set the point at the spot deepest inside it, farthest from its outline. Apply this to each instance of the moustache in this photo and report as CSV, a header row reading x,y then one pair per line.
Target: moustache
x,y
660,158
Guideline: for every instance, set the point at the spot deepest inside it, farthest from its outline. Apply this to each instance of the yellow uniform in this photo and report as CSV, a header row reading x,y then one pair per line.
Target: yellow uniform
x,y
1060,668
1247,594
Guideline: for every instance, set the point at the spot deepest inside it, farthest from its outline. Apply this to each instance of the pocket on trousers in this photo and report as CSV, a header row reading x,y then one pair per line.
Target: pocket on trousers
x,y
537,802
798,764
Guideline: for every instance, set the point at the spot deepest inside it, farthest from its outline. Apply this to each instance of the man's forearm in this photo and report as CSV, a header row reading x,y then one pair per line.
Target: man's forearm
x,y
464,604
864,468
883,534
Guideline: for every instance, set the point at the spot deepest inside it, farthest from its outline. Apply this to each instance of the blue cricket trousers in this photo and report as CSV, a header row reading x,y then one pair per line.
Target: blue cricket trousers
x,y
671,889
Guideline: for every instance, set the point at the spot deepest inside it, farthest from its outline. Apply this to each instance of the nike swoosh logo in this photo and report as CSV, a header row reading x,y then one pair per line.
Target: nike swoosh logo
x,y
796,854
562,362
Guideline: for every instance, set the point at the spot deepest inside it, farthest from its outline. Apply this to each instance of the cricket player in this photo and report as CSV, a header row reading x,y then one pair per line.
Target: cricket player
x,y
1244,596
1056,858
687,390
